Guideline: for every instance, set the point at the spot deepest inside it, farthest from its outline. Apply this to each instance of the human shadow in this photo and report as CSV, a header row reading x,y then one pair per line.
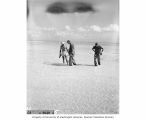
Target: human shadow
x,y
84,65
63,64
55,64
58,64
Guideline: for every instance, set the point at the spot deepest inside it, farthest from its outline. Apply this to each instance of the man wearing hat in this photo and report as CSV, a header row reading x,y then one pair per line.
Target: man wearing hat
x,y
97,52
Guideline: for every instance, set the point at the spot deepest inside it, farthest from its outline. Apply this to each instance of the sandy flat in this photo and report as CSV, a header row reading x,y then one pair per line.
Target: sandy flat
x,y
81,89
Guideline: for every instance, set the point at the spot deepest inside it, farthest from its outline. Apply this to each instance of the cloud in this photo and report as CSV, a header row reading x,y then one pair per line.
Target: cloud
x,y
95,28
68,34
70,31
70,7
61,33
81,29
51,29
111,27
67,27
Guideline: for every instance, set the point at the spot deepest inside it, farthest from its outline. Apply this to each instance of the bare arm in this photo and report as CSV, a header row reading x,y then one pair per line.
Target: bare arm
x,y
102,49
93,49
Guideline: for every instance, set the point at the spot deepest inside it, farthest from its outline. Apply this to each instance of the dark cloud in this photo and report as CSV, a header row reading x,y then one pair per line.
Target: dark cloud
x,y
69,7
83,7
57,8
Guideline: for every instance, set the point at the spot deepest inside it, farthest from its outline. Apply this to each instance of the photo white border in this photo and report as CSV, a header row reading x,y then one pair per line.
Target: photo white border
x,y
13,55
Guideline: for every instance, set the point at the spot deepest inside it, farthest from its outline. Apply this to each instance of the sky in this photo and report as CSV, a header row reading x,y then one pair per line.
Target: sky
x,y
98,25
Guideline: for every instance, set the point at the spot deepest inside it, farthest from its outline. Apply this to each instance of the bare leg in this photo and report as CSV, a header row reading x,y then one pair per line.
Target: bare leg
x,y
66,60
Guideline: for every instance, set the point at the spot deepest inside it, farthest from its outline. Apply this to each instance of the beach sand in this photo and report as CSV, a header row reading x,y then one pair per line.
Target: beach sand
x,y
80,89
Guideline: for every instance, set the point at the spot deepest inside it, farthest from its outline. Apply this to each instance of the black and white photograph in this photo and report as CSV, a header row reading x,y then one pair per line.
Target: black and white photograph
x,y
72,56
72,59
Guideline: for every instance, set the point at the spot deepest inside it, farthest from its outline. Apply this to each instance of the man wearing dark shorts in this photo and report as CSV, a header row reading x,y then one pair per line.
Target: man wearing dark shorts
x,y
71,52
97,52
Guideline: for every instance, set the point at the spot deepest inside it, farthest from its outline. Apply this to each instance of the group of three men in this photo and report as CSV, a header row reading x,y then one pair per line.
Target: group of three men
x,y
64,52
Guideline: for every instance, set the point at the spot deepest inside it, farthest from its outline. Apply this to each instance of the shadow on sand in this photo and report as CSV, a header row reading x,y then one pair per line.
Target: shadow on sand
x,y
61,64
84,65
58,64
55,64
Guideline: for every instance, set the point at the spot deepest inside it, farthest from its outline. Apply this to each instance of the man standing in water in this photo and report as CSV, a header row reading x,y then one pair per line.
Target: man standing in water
x,y
71,52
97,52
